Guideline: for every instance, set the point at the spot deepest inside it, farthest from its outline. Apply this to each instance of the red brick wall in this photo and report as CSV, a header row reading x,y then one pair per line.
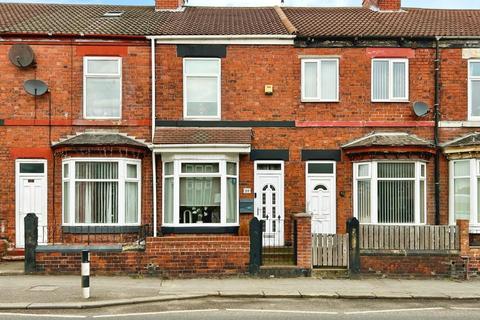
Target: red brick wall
x,y
384,5
60,64
413,266
173,256
304,241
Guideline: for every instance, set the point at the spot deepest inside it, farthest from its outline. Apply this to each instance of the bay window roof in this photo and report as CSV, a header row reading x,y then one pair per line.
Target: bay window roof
x,y
203,136
100,139
389,142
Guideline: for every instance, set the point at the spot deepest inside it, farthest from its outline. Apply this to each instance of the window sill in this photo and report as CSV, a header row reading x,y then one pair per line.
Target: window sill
x,y
390,101
319,101
200,230
100,229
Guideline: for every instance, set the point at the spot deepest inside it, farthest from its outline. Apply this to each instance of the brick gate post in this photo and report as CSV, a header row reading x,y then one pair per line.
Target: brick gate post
x,y
304,240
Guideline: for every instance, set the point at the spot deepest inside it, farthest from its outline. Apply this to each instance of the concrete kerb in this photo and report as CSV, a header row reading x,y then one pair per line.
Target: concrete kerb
x,y
293,295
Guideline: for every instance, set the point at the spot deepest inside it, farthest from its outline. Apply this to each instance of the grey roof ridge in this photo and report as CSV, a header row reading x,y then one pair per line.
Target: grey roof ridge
x,y
100,132
449,143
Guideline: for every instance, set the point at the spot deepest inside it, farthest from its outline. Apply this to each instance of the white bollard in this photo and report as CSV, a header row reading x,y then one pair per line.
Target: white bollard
x,y
86,274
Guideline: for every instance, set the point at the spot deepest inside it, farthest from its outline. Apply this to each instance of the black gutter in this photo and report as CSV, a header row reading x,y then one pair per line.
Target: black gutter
x,y
436,130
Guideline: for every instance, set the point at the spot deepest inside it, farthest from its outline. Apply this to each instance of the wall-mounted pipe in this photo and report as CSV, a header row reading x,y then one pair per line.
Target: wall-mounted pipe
x,y
436,130
154,163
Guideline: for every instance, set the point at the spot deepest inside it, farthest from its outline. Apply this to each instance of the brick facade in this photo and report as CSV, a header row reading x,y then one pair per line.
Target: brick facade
x,y
170,256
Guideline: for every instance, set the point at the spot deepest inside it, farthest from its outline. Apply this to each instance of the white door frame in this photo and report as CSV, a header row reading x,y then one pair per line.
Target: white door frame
x,y
333,177
17,192
281,194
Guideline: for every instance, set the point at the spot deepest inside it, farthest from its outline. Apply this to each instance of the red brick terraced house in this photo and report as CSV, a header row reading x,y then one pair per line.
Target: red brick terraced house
x,y
183,123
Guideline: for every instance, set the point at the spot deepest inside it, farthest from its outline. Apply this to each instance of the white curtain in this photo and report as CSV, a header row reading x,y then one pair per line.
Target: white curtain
x,y
396,198
66,201
399,77
131,202
200,192
232,200
475,97
380,80
328,80
168,201
310,80
96,201
363,201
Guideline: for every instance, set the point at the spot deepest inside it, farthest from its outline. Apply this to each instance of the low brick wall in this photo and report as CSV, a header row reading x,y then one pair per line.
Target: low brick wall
x,y
413,265
172,256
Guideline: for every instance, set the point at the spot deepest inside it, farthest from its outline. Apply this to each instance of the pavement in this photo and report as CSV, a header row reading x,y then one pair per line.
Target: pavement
x,y
64,292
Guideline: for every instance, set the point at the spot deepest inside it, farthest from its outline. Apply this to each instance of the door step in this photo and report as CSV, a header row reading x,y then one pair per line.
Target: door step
x,y
330,273
283,271
13,258
278,256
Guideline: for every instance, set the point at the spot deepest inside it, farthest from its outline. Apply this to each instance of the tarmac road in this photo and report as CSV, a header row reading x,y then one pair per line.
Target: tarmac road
x,y
266,309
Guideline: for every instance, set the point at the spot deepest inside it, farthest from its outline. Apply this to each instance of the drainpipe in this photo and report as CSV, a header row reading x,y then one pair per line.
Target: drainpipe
x,y
154,160
436,130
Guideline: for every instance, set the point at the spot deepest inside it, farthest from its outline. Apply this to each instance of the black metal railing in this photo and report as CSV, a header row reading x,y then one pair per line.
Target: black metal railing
x,y
89,235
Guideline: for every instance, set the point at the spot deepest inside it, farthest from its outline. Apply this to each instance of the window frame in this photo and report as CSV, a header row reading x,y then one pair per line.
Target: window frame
x,y
122,180
177,161
373,178
470,92
319,98
391,62
202,75
87,75
474,166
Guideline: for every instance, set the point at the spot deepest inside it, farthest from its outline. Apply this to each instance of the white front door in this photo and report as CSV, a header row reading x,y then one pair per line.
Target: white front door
x,y
321,201
31,197
269,201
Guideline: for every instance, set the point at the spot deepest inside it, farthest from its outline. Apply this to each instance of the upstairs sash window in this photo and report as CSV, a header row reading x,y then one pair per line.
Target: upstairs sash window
x,y
201,82
389,80
320,80
102,87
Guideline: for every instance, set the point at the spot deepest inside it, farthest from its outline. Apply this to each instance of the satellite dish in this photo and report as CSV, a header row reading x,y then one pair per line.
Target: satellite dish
x,y
35,87
420,109
21,55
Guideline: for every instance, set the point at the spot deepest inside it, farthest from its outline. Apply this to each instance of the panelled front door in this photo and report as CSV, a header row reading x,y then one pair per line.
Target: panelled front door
x,y
31,197
269,201
321,200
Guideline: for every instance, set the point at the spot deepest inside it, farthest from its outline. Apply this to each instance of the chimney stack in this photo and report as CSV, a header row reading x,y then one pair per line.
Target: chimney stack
x,y
383,5
168,4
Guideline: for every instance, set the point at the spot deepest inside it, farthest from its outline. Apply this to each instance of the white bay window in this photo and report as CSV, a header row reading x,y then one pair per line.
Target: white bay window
x,y
101,191
390,80
200,192
465,192
390,192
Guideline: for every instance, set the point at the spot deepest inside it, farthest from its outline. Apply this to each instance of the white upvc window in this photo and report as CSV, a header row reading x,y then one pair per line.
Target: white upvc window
x,y
202,88
464,192
390,80
102,87
101,191
474,90
320,80
200,191
387,192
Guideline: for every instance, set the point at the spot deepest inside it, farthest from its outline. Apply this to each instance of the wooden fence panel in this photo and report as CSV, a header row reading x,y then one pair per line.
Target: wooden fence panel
x,y
415,238
330,250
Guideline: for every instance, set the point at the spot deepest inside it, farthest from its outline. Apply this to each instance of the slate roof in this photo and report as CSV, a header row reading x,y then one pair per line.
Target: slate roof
x,y
469,140
362,22
171,135
309,22
100,139
388,139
